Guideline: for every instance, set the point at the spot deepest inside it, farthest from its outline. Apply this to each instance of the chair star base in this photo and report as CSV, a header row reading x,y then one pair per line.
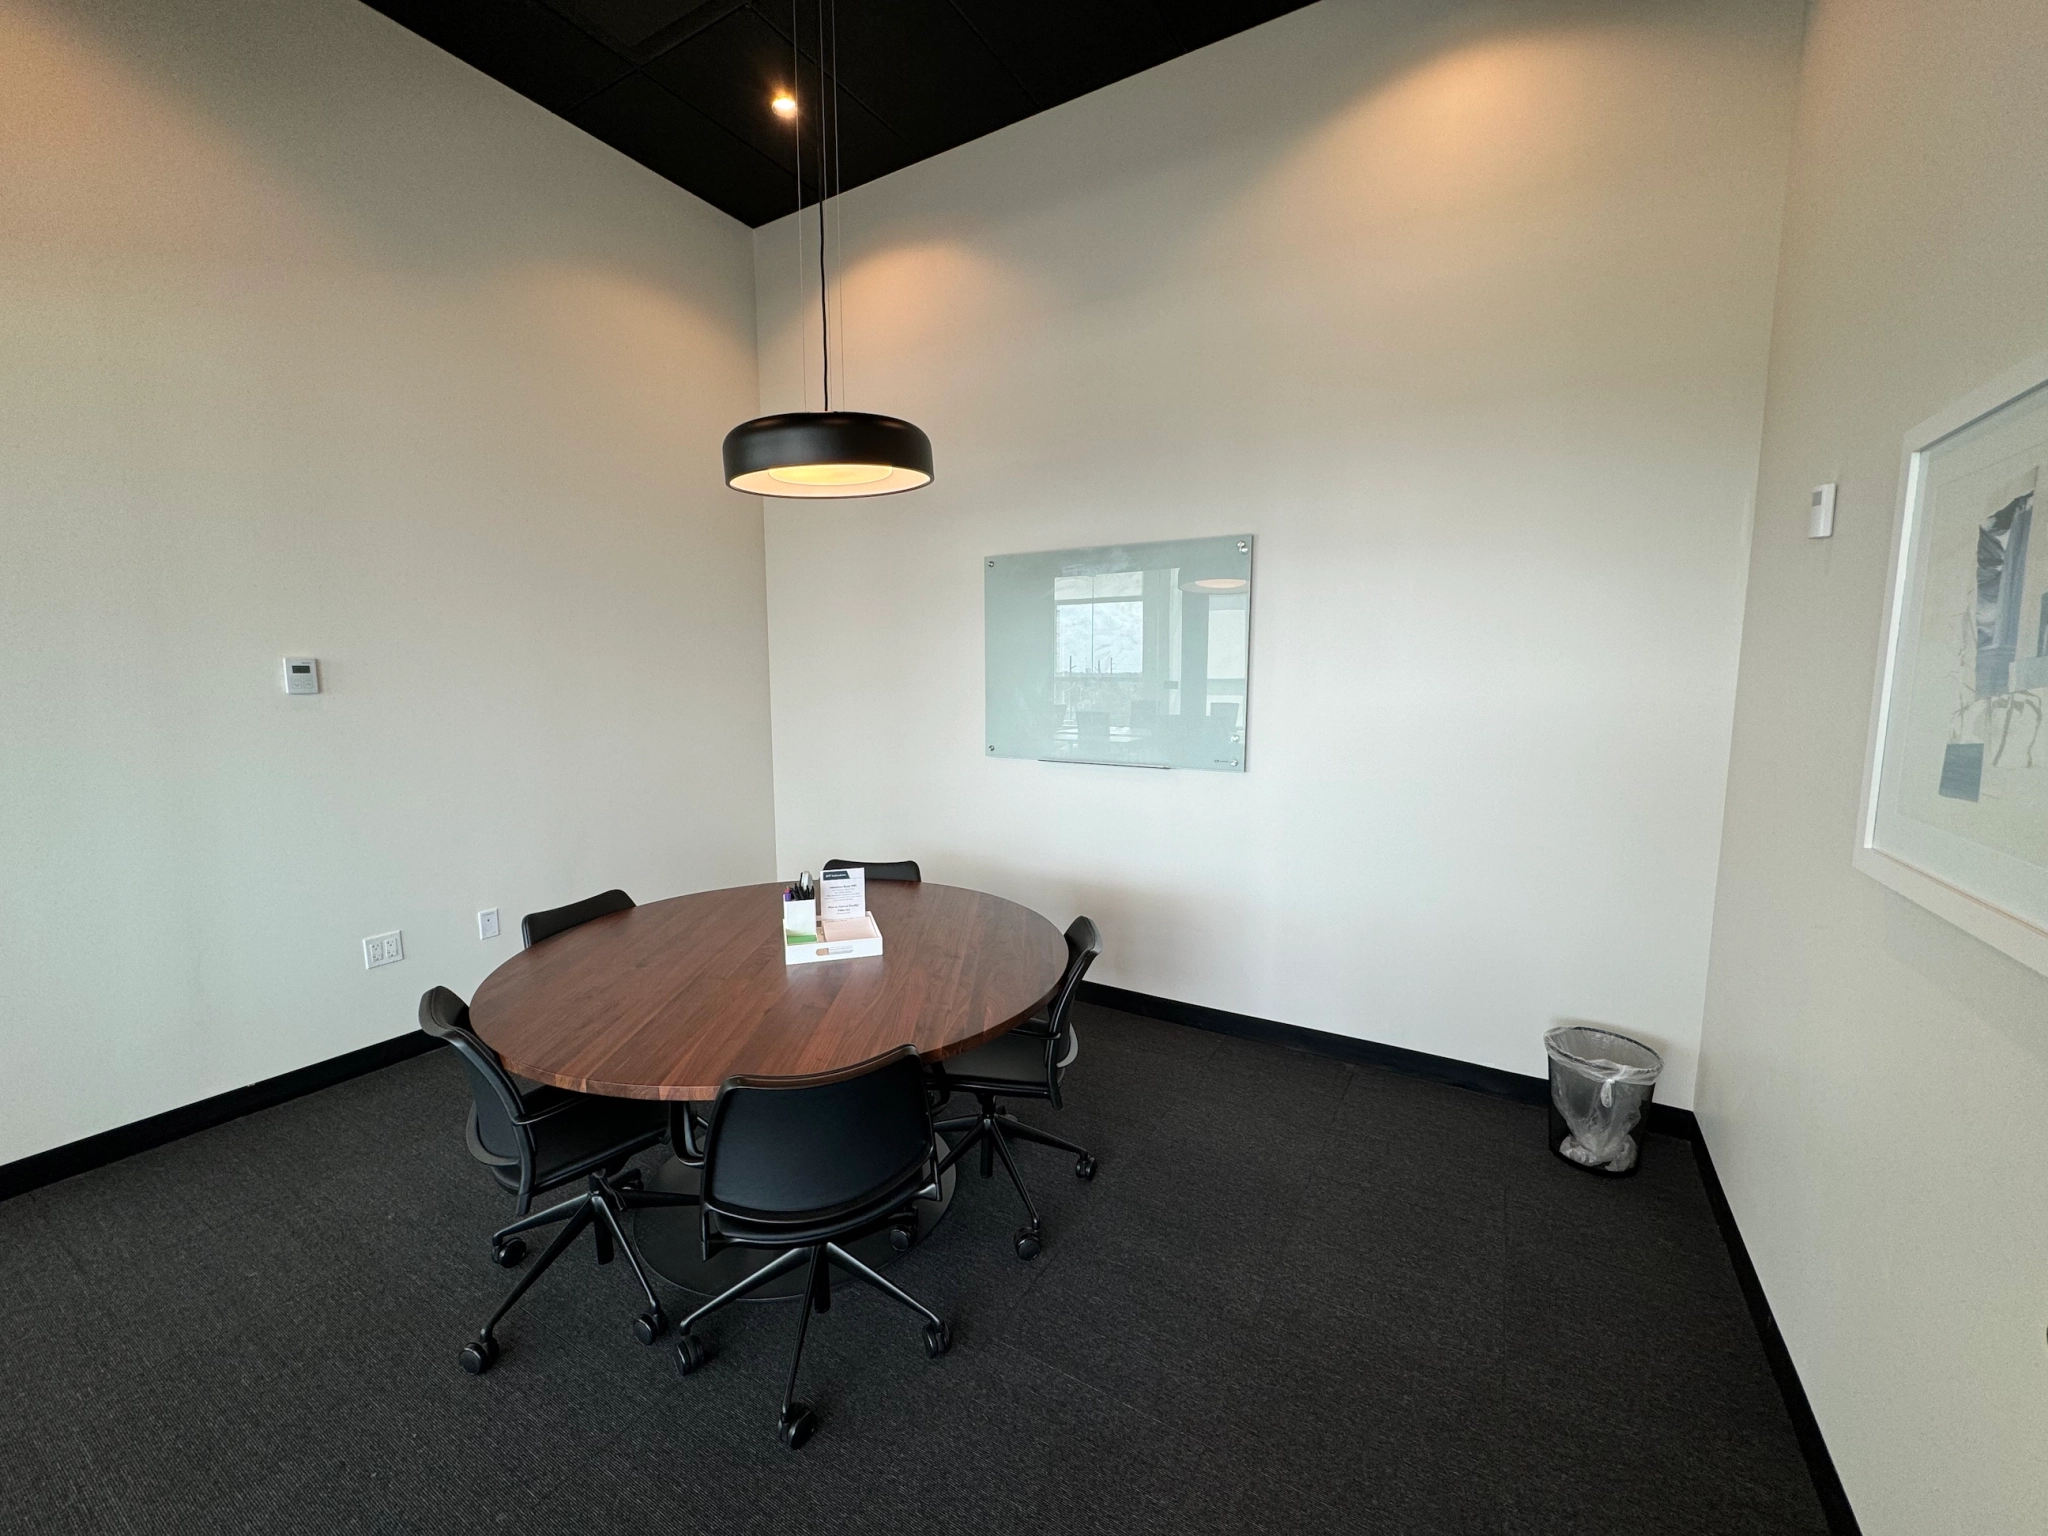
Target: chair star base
x,y
602,1208
992,1130
796,1421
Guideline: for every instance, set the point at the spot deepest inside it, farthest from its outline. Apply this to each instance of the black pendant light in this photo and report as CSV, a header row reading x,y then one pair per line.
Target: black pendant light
x,y
827,452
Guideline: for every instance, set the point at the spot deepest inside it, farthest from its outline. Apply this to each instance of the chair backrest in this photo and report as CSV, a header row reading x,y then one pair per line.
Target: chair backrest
x,y
796,1149
498,1105
1083,945
903,869
536,926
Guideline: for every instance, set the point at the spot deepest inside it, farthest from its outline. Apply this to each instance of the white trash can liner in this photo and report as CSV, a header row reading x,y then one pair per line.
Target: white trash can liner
x,y
1600,1082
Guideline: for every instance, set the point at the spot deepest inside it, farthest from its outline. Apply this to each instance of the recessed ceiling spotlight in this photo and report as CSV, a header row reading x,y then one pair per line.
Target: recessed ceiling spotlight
x,y
784,104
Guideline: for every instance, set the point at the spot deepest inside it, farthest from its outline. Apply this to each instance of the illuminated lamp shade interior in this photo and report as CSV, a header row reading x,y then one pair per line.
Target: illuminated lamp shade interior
x,y
832,474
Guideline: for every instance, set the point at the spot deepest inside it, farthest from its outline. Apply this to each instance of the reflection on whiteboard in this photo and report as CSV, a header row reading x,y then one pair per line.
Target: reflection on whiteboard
x,y
1137,654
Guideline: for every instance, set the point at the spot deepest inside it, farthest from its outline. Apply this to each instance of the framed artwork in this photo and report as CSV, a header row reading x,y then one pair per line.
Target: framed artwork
x,y
1955,799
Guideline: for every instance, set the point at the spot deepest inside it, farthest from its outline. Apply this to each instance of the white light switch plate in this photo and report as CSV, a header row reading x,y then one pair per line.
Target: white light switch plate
x,y
1820,515
383,949
487,923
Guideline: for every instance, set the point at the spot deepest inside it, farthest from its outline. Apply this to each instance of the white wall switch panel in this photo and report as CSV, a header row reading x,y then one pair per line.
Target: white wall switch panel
x,y
384,949
1820,514
487,923
302,674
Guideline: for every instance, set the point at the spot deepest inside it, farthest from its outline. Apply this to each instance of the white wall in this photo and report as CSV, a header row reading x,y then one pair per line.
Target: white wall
x,y
1463,310
318,341
1874,1079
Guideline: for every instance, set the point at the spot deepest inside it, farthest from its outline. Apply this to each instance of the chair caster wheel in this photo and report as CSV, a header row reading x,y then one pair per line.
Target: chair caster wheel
x,y
900,1238
509,1252
1084,1167
938,1338
796,1425
649,1326
690,1353
1027,1242
480,1356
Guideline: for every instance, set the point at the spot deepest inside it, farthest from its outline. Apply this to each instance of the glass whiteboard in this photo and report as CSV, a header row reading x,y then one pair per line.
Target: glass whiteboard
x,y
1137,655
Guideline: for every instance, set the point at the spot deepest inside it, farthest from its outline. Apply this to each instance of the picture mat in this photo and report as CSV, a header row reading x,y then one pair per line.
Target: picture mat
x,y
1957,790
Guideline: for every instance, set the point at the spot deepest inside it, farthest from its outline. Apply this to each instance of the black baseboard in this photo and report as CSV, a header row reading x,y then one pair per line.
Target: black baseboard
x,y
1827,1483
1662,1119
29,1173
1519,1086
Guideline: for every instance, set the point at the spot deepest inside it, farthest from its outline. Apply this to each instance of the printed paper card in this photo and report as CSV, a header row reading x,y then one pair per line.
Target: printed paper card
x,y
842,893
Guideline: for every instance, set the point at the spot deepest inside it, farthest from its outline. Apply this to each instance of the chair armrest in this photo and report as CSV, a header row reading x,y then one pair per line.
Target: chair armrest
x,y
683,1117
935,1186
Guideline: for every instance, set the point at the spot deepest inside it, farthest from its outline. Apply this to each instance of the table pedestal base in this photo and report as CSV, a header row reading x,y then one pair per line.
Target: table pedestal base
x,y
668,1240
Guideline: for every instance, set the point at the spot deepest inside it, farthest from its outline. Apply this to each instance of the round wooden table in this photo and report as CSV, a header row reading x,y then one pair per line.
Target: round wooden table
x,y
668,1000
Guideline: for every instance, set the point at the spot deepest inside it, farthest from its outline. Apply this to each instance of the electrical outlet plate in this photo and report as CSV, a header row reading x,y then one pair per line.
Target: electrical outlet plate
x,y
383,949
487,923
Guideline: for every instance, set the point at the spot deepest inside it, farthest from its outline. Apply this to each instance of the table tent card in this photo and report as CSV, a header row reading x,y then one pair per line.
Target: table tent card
x,y
843,893
842,929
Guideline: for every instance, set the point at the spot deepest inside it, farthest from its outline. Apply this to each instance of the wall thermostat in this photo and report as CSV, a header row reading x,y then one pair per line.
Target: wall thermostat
x,y
302,674
1820,512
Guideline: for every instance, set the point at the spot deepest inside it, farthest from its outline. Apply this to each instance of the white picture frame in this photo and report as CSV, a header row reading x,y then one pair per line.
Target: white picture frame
x,y
1945,665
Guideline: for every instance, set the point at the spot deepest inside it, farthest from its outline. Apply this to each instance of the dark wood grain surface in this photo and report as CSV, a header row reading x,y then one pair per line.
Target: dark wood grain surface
x,y
670,999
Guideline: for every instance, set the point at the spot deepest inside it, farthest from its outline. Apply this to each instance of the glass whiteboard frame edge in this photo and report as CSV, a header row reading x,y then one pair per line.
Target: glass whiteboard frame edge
x,y
1248,547
1974,913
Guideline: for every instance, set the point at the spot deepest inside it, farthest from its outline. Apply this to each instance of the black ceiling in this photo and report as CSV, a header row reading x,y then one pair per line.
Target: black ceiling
x,y
683,86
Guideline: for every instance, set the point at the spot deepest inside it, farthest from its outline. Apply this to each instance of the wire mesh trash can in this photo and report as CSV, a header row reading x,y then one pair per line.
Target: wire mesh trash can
x,y
1600,1084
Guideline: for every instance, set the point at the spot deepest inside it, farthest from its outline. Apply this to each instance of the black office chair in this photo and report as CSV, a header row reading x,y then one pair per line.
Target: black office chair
x,y
539,1140
536,926
904,870
1026,1063
805,1164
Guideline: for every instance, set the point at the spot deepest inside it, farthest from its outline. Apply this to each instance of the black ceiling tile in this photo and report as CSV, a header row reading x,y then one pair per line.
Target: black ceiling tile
x,y
704,14
683,85
731,71
1060,49
630,22
1198,23
674,139
519,43
924,71
866,146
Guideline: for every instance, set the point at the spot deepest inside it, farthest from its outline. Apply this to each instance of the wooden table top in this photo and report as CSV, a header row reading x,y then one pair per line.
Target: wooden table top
x,y
670,999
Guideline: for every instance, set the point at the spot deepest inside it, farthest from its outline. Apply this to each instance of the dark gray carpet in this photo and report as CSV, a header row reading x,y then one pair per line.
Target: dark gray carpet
x,y
1301,1296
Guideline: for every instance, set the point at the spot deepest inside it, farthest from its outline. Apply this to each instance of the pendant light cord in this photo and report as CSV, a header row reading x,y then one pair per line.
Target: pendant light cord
x,y
839,189
829,165
796,75
828,109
